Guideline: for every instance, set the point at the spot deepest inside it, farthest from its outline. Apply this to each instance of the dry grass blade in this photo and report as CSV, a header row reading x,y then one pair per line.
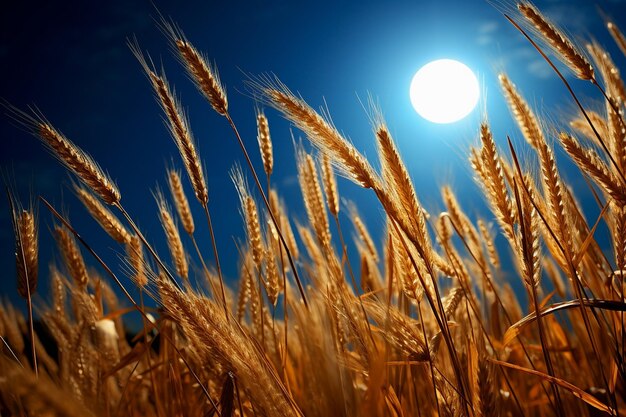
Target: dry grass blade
x,y
516,328
103,215
574,390
564,48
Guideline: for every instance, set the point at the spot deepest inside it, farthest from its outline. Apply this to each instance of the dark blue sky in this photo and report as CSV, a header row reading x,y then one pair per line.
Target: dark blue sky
x,y
71,60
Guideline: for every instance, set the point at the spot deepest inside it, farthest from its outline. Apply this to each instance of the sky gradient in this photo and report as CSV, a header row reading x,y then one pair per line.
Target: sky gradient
x,y
72,62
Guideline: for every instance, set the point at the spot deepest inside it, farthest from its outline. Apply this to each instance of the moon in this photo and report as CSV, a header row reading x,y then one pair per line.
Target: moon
x,y
444,91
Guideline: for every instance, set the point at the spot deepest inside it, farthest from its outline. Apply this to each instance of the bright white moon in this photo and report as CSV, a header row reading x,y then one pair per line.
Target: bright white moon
x,y
444,91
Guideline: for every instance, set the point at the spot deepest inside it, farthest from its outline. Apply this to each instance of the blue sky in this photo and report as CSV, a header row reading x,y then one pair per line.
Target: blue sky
x,y
71,60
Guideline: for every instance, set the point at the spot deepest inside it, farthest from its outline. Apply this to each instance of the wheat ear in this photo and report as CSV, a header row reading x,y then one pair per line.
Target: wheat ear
x,y
134,250
251,217
107,220
27,261
180,200
272,280
174,242
599,122
313,197
488,239
26,252
397,179
528,241
618,36
553,185
330,186
71,254
609,71
362,232
278,208
319,131
178,126
526,119
565,49
590,162
201,72
491,172
265,142
74,159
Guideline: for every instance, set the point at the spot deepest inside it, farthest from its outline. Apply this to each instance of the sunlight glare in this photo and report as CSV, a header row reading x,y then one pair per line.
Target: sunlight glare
x,y
444,91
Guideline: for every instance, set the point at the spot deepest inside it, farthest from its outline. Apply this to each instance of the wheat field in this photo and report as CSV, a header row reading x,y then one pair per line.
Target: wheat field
x,y
423,324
